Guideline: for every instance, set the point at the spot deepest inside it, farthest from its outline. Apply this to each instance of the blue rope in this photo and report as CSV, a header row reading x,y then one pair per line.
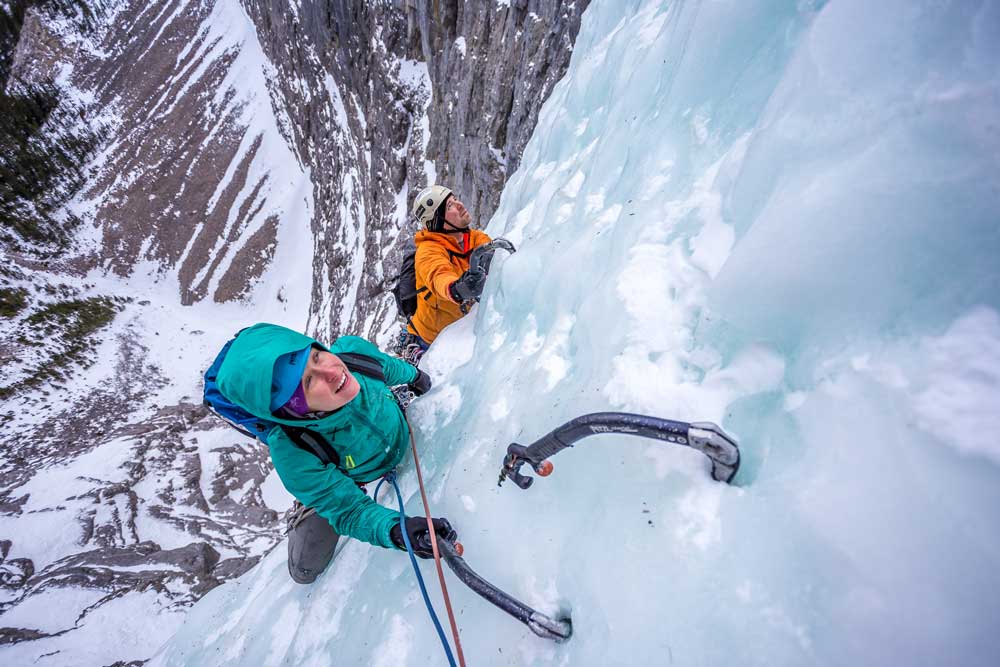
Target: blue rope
x,y
391,477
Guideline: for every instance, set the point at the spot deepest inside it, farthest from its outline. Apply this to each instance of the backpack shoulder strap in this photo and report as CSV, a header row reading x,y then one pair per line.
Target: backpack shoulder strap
x,y
313,443
362,363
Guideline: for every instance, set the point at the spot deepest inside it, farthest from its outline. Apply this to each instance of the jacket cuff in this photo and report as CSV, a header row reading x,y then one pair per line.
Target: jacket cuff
x,y
383,531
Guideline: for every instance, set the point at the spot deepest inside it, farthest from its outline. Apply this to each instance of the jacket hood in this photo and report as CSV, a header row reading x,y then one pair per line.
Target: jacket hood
x,y
245,374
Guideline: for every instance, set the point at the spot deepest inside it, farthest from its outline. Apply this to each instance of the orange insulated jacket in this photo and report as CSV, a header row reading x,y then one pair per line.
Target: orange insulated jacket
x,y
439,262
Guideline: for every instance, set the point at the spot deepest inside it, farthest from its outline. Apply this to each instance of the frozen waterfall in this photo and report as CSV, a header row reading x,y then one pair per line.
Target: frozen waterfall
x,y
779,216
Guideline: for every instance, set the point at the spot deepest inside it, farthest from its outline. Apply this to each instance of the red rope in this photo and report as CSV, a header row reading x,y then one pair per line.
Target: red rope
x,y
434,546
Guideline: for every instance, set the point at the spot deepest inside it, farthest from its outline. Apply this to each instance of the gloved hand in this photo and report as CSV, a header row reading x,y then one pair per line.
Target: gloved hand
x,y
420,538
422,384
469,287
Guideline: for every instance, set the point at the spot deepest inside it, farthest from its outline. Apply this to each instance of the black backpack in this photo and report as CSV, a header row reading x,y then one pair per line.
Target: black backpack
x,y
255,427
405,291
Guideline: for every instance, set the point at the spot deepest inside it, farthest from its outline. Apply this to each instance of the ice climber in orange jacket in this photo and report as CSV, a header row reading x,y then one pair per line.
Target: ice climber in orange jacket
x,y
444,281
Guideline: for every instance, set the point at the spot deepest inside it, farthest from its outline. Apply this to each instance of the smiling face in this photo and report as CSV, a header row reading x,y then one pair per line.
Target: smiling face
x,y
327,383
455,213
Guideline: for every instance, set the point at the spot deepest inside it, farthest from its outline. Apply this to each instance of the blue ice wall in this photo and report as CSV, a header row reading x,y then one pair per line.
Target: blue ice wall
x,y
779,216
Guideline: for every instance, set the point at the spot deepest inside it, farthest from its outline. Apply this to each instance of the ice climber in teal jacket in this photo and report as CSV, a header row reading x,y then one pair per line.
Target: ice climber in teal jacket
x,y
281,375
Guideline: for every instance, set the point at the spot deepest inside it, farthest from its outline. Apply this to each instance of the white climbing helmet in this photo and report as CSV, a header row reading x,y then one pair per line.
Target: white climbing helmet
x,y
426,204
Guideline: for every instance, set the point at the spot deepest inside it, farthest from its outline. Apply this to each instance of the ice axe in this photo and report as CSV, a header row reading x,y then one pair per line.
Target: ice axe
x,y
557,629
706,437
482,256
480,260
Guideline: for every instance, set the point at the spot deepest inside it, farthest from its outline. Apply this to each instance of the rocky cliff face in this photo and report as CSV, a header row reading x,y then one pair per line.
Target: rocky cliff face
x,y
493,65
233,127
358,109
389,96
204,98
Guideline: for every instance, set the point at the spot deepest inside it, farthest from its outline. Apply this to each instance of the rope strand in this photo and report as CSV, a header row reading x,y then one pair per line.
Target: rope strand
x,y
434,546
391,477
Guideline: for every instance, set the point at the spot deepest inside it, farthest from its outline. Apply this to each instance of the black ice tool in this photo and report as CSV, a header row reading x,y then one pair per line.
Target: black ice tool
x,y
706,437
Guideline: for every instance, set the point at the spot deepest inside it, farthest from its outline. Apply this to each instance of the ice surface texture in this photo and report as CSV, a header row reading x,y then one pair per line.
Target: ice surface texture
x,y
778,216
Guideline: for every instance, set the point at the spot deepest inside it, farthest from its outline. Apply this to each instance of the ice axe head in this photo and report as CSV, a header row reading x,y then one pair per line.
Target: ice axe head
x,y
482,256
717,445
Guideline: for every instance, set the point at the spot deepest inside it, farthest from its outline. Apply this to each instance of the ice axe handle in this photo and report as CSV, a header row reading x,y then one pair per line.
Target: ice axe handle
x,y
558,629
706,437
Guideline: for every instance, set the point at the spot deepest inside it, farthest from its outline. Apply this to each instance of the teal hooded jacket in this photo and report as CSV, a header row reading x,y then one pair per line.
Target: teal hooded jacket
x,y
369,433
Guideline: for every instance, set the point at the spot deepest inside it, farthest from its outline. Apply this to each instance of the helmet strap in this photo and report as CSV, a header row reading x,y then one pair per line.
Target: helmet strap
x,y
439,221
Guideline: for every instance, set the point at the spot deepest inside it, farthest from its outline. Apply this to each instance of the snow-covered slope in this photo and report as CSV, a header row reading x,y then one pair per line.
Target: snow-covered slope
x,y
258,165
120,501
777,216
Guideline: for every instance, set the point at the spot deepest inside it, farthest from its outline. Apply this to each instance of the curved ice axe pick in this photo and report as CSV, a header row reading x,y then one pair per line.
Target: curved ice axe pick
x,y
482,256
706,437
542,625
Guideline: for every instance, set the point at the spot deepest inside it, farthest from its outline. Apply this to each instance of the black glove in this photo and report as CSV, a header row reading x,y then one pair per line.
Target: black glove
x,y
468,287
420,539
422,384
